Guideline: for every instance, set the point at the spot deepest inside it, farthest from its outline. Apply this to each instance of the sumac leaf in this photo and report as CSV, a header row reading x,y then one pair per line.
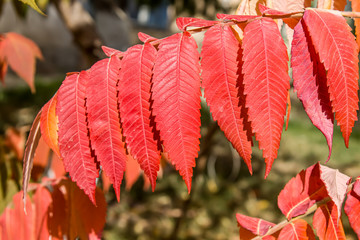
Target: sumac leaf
x,y
256,226
176,95
266,83
49,124
219,63
297,230
110,51
337,49
134,97
15,223
310,83
74,142
20,53
336,184
103,118
72,215
301,192
327,224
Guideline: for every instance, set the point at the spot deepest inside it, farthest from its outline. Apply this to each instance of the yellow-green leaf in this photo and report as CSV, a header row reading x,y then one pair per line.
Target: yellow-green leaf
x,y
32,4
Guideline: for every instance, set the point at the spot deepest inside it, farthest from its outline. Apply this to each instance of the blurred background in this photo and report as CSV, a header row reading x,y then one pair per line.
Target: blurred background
x,y
70,38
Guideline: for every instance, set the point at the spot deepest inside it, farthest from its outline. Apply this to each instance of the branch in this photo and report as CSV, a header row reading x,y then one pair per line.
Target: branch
x,y
273,16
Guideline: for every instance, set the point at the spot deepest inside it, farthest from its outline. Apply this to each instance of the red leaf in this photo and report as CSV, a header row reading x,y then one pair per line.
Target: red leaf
x,y
219,73
337,49
30,148
48,124
145,37
104,122
20,52
310,83
326,223
134,97
72,214
74,143
301,192
184,22
352,207
266,83
176,95
336,184
257,226
297,230
110,51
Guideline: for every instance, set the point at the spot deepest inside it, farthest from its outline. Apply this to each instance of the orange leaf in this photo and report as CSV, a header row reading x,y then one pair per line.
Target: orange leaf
x,y
49,124
355,5
332,4
73,215
327,224
17,224
20,52
15,140
352,207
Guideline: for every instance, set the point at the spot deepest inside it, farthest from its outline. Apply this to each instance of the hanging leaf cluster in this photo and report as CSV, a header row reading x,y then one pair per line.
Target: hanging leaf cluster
x,y
145,101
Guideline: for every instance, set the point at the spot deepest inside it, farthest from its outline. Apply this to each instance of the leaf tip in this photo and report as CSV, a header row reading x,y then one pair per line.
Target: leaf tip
x,y
269,163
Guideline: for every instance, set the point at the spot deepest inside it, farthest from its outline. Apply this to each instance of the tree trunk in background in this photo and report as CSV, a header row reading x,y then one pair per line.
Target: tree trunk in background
x,y
82,27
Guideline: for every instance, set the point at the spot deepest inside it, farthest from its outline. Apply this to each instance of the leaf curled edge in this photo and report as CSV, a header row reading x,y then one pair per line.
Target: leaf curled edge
x,y
31,145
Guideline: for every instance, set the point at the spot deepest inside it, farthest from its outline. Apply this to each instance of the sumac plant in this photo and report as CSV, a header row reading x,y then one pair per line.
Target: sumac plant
x,y
146,101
